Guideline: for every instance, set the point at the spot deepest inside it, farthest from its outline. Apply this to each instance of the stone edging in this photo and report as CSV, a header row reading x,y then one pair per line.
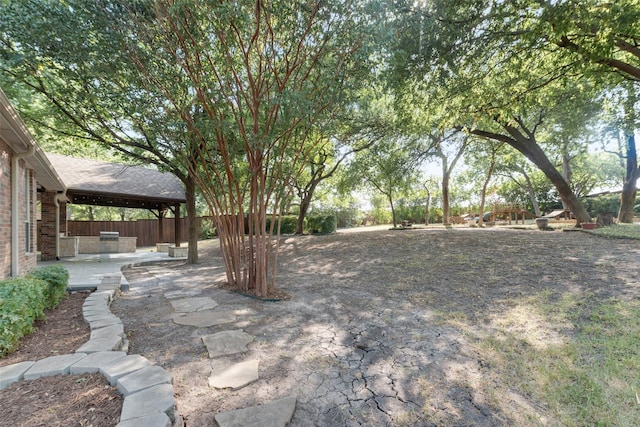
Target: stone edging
x,y
147,389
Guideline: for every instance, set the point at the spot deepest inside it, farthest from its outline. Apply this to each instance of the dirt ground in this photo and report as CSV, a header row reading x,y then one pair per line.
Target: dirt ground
x,y
371,334
367,337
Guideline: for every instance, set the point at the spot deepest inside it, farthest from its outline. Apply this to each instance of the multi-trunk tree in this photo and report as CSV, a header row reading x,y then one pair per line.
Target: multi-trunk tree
x,y
220,93
262,75
330,152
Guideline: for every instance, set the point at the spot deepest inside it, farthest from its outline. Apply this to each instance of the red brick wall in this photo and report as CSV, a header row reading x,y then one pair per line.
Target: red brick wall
x,y
48,225
27,257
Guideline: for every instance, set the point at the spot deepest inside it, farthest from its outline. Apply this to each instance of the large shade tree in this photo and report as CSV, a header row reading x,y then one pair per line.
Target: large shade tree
x,y
73,58
501,62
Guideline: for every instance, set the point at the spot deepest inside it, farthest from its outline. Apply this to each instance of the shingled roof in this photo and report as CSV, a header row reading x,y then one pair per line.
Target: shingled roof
x,y
94,182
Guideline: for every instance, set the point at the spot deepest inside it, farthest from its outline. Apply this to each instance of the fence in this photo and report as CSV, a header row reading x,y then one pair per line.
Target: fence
x,y
146,230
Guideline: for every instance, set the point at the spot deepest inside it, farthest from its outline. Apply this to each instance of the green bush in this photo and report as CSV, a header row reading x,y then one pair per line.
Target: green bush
x,y
288,224
22,301
349,217
606,204
324,223
208,228
57,278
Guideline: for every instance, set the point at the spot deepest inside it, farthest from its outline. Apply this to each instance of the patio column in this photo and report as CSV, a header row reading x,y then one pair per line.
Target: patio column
x,y
177,225
48,226
161,214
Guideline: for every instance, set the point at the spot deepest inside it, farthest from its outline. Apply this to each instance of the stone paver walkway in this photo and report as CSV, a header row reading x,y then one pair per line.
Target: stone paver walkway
x,y
148,392
147,389
202,312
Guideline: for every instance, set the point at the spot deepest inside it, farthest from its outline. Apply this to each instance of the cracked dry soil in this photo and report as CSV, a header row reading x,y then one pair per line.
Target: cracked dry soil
x,y
380,327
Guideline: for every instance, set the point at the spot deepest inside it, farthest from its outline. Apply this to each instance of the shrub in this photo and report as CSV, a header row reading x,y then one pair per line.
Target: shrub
x,y
604,208
22,301
606,204
349,217
324,223
57,278
208,228
288,224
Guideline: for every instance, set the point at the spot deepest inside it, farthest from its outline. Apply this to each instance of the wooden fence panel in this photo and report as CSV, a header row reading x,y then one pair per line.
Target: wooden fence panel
x,y
146,230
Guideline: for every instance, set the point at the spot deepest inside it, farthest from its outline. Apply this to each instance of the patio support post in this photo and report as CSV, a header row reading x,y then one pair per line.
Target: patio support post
x,y
56,200
161,214
177,225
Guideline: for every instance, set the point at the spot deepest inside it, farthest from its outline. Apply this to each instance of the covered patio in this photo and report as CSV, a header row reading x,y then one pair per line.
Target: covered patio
x,y
100,183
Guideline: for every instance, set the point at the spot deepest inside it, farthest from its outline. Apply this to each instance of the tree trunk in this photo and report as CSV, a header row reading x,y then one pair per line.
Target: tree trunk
x,y
532,195
629,188
446,175
393,212
484,190
530,148
426,213
567,174
628,201
564,190
305,203
193,232
445,196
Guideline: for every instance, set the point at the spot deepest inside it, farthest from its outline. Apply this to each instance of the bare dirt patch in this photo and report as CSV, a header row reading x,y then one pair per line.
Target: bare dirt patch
x,y
379,330
380,326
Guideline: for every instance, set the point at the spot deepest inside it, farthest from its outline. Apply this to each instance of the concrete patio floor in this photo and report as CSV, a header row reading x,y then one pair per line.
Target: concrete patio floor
x,y
87,270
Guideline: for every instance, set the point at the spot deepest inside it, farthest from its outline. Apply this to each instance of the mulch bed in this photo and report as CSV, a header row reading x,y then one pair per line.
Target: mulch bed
x,y
62,400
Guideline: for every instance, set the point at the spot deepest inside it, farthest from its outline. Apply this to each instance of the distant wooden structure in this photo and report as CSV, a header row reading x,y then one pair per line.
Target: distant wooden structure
x,y
559,214
507,213
500,212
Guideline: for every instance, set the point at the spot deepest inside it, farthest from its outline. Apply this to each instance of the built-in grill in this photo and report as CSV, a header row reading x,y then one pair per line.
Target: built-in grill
x,y
109,241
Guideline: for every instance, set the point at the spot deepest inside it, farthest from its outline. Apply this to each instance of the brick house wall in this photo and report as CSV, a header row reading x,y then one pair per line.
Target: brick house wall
x,y
27,240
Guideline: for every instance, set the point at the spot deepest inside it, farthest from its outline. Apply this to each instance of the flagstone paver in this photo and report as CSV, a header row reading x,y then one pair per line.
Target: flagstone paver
x,y
154,400
123,366
93,362
226,343
54,365
182,293
235,376
155,420
143,379
276,413
205,318
190,305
